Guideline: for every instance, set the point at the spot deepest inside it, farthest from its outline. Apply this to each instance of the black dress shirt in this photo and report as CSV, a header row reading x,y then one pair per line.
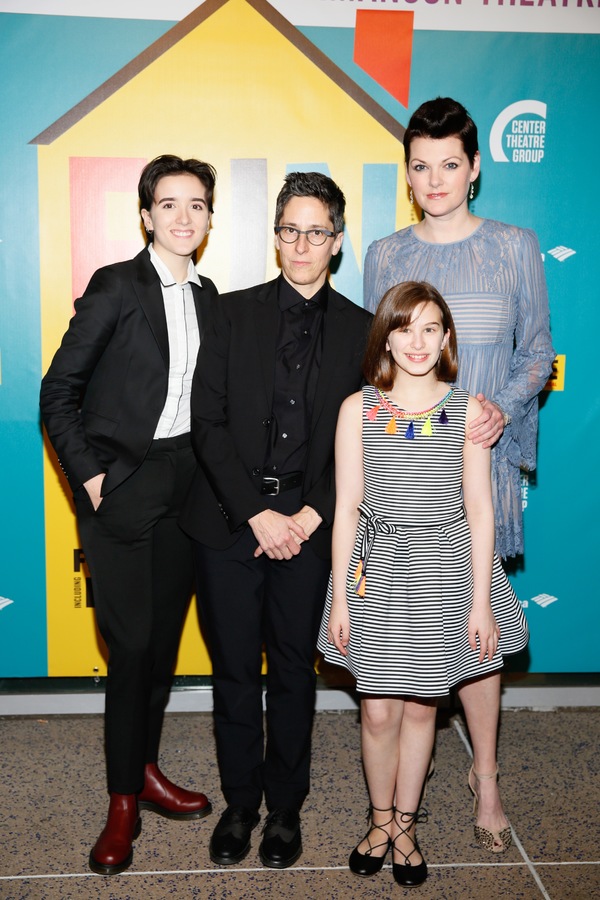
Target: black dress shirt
x,y
297,363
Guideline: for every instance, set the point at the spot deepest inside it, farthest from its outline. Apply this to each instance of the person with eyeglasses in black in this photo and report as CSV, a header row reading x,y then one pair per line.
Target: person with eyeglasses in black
x,y
275,365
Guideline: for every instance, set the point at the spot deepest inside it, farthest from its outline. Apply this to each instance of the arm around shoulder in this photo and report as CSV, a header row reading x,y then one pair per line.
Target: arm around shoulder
x,y
218,385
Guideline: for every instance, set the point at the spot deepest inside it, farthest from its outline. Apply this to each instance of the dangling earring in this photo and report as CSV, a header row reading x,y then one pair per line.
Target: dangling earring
x,y
472,191
411,199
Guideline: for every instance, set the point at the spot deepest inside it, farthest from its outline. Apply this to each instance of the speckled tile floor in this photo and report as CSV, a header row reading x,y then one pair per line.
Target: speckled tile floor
x,y
52,807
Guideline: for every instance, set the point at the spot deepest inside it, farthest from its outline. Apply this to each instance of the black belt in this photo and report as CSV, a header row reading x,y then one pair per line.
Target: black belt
x,y
274,486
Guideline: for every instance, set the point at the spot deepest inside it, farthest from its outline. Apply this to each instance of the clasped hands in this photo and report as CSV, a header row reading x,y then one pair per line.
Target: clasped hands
x,y
280,536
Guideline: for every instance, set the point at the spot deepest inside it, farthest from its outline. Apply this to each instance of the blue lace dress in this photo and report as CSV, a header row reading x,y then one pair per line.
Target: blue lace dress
x,y
494,283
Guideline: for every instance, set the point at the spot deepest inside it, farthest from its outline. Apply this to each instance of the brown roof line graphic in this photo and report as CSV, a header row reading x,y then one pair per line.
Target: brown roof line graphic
x,y
179,31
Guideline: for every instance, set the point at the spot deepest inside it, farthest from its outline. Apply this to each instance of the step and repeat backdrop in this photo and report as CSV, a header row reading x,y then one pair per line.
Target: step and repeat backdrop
x,y
259,89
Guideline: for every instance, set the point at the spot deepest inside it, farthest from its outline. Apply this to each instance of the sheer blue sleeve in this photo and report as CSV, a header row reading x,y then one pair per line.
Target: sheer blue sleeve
x,y
533,354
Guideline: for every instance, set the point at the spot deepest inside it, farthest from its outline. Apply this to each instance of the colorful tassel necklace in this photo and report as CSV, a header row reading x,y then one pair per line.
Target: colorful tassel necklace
x,y
425,416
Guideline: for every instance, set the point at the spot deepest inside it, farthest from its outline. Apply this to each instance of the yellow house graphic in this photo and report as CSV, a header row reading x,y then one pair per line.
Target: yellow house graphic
x,y
235,84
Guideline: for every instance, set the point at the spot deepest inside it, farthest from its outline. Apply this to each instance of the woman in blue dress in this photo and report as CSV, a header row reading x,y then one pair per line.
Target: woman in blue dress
x,y
492,278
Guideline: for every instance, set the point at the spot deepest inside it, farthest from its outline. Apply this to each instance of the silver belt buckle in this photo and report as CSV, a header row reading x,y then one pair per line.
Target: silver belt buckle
x,y
275,481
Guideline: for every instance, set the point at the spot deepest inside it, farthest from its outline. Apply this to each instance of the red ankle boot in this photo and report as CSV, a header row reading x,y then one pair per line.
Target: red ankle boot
x,y
163,797
112,853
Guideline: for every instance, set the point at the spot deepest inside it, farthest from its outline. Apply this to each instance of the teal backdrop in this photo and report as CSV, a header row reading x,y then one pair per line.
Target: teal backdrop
x,y
46,68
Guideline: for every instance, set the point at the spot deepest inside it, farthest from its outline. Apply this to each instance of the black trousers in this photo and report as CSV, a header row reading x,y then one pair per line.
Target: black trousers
x,y
246,603
142,574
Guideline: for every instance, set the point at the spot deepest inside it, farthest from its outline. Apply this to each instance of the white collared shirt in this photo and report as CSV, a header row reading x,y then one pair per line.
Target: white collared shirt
x,y
184,343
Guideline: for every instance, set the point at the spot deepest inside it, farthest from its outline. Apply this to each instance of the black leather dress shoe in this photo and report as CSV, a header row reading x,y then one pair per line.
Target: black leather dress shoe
x,y
230,841
282,842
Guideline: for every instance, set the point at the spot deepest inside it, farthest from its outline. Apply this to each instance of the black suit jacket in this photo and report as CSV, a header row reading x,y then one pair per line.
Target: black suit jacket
x,y
106,387
232,398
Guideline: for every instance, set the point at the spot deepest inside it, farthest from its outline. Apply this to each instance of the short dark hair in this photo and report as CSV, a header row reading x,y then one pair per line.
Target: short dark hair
x,y
442,118
313,184
396,310
173,165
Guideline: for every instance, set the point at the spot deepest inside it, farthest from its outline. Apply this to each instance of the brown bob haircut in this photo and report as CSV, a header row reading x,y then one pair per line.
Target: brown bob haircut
x,y
397,310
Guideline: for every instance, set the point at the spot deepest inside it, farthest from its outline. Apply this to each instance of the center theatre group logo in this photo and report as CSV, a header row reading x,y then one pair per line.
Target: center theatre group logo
x,y
524,139
82,582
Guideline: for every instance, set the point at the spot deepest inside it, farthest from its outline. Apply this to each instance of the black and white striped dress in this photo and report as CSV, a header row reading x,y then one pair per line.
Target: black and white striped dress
x,y
408,633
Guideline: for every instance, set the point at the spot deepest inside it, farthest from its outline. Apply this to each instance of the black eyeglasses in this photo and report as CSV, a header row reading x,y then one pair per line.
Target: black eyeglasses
x,y
315,236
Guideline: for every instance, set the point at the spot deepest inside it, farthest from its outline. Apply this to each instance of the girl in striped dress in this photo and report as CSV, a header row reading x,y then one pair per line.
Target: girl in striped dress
x,y
418,600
